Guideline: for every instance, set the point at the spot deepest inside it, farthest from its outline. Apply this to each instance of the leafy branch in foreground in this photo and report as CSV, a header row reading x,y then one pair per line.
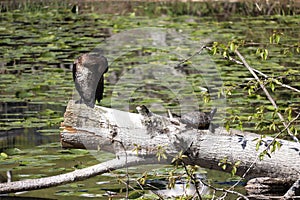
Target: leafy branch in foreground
x,y
161,152
224,163
264,122
268,96
229,51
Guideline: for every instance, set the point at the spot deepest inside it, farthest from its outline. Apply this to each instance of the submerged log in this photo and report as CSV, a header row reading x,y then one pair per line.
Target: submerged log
x,y
115,131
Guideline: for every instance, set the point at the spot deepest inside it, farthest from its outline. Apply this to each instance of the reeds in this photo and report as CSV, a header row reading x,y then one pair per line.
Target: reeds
x,y
156,8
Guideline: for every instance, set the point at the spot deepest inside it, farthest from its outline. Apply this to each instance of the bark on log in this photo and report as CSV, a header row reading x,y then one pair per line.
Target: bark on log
x,y
93,128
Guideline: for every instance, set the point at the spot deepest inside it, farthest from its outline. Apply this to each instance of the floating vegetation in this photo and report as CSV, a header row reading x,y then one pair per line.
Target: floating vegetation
x,y
41,39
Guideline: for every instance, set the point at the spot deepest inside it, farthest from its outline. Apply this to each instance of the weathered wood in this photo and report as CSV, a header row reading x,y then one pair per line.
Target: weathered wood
x,y
267,186
99,127
114,130
293,190
77,175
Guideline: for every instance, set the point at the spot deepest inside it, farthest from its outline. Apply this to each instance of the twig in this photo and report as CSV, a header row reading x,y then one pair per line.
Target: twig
x,y
269,144
259,72
267,94
267,147
286,86
126,167
291,192
224,190
193,55
277,82
193,179
227,57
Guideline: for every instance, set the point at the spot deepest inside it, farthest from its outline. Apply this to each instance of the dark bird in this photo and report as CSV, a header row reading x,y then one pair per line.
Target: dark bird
x,y
88,73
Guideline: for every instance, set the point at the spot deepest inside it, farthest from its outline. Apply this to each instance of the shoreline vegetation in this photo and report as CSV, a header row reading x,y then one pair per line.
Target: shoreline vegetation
x,y
221,9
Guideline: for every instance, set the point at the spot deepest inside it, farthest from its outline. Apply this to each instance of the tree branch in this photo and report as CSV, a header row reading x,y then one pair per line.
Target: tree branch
x,y
291,192
267,94
77,175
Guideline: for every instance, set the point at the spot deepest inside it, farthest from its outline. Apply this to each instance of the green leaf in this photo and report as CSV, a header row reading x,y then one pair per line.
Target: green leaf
x,y
289,110
277,38
265,54
214,50
250,118
227,126
261,156
250,91
272,127
278,144
237,163
225,54
258,51
135,194
3,155
132,15
257,145
233,171
232,47
272,85
224,166
164,156
271,108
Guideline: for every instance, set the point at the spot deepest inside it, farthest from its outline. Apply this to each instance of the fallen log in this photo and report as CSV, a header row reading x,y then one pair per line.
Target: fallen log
x,y
119,132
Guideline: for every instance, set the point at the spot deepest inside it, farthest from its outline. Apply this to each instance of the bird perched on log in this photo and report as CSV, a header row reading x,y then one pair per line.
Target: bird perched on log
x,y
88,73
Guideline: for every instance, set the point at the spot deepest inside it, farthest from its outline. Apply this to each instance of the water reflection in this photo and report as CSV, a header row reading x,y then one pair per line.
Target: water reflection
x,y
26,125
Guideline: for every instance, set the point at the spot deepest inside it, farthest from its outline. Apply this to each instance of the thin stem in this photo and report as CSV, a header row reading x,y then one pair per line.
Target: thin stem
x,y
126,167
225,191
267,94
259,72
193,55
269,144
194,180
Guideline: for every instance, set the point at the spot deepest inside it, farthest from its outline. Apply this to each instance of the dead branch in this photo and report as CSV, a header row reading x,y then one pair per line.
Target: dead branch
x,y
77,175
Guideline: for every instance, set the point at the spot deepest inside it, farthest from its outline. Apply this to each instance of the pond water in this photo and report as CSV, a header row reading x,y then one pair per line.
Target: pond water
x,y
38,49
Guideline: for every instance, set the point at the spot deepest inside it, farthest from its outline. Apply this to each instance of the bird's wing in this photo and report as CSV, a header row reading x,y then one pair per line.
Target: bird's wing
x,y
99,90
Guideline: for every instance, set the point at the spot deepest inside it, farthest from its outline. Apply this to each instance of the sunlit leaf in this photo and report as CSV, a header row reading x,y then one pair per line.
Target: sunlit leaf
x,y
3,155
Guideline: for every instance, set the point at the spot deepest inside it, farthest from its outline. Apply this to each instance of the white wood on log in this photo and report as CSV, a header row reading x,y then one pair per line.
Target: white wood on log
x,y
99,127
